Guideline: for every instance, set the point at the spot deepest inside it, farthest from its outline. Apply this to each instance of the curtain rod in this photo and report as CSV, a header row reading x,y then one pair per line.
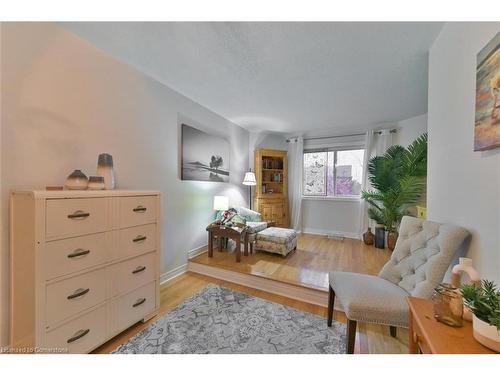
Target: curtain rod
x,y
342,136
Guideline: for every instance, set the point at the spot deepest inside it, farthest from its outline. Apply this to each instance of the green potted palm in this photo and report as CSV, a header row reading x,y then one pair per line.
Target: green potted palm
x,y
484,302
398,180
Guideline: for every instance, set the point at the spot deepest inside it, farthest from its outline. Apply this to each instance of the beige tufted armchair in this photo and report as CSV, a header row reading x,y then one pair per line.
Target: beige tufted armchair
x,y
423,253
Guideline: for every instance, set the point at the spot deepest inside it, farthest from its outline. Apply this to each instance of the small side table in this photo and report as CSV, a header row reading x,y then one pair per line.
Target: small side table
x,y
234,233
428,336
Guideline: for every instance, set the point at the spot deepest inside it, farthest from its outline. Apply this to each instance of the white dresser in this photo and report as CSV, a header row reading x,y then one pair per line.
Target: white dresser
x,y
84,266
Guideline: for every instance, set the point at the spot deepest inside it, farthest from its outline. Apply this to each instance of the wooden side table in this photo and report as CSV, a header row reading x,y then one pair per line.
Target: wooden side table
x,y
234,233
428,336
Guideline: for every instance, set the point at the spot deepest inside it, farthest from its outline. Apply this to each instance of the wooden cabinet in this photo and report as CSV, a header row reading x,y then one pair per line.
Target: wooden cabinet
x,y
271,198
274,210
84,266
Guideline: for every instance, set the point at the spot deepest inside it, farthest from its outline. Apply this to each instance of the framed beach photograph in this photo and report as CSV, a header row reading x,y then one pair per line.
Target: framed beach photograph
x,y
487,124
205,157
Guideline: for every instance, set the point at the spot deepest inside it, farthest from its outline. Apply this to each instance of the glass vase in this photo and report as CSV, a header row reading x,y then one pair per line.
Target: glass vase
x,y
448,305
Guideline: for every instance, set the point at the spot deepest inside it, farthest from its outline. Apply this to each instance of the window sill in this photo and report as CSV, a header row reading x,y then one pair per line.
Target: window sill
x,y
340,199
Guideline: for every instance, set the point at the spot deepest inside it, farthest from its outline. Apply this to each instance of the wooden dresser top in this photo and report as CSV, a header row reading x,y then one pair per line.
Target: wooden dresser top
x,y
84,193
443,339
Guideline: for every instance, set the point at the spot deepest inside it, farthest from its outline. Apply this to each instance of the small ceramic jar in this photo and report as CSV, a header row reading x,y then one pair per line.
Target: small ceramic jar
x,y
96,183
76,181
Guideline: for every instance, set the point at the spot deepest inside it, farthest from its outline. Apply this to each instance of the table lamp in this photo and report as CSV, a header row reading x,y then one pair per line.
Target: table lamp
x,y
221,203
250,181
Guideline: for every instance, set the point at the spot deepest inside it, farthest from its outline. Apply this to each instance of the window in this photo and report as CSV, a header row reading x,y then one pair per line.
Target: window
x,y
335,173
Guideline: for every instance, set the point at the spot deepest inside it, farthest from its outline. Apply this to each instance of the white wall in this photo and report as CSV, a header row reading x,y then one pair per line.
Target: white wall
x,y
410,129
331,216
65,101
463,185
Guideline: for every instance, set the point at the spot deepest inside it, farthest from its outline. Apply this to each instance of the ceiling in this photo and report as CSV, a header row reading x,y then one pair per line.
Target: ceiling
x,y
282,77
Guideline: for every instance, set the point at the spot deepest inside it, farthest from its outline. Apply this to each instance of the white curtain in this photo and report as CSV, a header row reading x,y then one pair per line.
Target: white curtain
x,y
295,159
376,143
365,183
384,141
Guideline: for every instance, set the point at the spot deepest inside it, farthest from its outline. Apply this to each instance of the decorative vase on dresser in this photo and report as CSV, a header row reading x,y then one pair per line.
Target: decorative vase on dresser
x,y
271,198
105,170
84,266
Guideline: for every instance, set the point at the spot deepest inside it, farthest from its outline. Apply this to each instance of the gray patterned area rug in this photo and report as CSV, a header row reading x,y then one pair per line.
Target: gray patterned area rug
x,y
220,320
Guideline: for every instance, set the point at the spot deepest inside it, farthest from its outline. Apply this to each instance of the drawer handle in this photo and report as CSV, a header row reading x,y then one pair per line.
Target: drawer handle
x,y
78,253
78,335
78,215
139,269
78,293
140,209
139,238
139,302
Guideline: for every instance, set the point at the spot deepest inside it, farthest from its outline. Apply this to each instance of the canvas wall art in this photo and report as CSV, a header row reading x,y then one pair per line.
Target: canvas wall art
x,y
487,124
205,157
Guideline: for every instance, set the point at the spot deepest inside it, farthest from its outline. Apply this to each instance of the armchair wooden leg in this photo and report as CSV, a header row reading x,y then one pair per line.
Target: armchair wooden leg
x,y
331,300
351,335
393,331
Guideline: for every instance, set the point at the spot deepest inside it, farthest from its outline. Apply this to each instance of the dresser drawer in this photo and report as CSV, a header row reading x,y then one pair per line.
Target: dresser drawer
x,y
137,210
132,307
73,217
79,335
132,273
135,241
70,296
66,256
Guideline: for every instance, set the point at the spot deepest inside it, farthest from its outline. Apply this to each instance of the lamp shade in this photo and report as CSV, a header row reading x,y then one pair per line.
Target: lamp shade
x,y
249,179
221,203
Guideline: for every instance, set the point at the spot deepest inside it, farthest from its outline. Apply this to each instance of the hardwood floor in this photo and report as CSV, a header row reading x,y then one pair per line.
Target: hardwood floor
x,y
314,257
309,264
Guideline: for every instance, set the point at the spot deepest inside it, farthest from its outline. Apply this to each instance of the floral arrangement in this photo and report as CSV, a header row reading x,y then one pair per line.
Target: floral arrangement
x,y
226,217
230,218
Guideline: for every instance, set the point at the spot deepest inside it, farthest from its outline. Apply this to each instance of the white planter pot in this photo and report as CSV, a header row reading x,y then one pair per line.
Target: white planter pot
x,y
486,334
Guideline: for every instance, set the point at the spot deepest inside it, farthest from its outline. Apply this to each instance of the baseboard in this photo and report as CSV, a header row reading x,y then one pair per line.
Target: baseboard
x,y
323,232
169,275
309,295
197,251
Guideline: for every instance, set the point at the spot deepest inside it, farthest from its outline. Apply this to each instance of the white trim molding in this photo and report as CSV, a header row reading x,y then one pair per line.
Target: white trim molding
x,y
324,232
169,275
177,271
197,251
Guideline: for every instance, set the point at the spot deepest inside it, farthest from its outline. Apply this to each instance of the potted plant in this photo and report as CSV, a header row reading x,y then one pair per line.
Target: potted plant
x,y
398,179
484,302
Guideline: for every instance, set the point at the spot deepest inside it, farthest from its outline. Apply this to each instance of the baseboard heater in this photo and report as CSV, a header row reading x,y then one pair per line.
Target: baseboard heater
x,y
337,237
